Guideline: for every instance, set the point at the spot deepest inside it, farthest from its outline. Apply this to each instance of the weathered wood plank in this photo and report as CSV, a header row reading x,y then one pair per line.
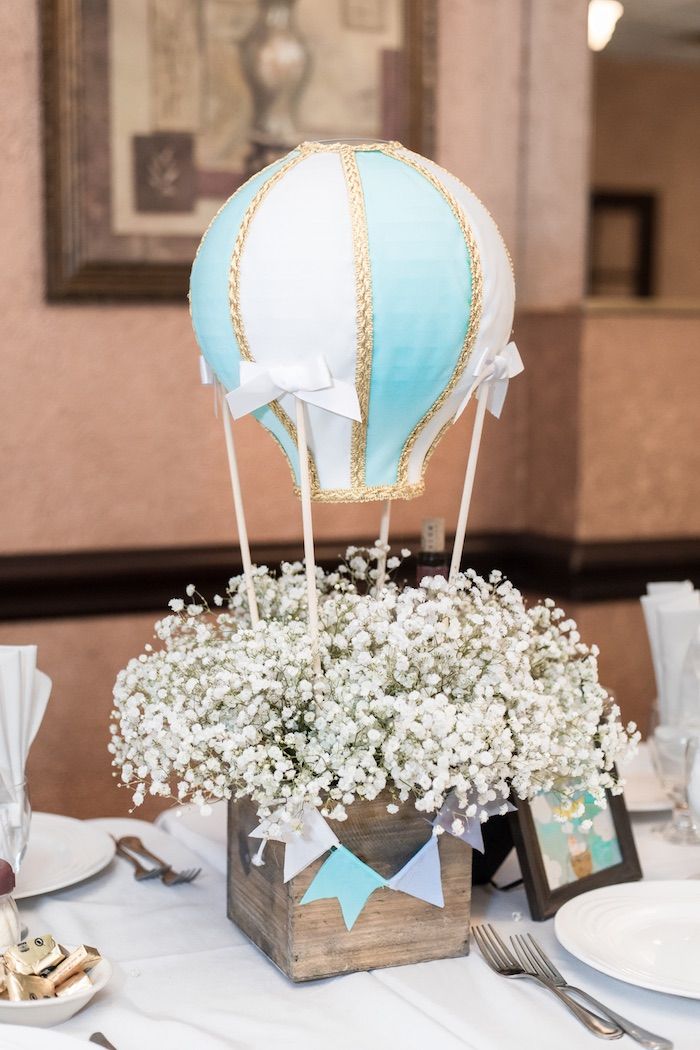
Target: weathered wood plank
x,y
394,929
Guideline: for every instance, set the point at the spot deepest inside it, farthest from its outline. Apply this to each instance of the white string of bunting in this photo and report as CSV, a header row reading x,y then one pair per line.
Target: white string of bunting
x,y
347,878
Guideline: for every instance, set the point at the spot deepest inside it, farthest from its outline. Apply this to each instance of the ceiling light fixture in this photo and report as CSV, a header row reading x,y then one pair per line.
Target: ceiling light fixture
x,y
603,16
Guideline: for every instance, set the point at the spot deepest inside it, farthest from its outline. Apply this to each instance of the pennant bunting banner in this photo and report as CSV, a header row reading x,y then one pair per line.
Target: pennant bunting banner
x,y
304,842
421,876
464,822
347,878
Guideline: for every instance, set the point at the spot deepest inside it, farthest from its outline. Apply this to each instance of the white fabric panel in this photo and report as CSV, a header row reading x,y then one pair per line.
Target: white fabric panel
x,y
297,286
498,303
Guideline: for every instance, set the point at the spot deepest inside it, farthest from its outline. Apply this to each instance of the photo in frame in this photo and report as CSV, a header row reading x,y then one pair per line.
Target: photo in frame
x,y
561,858
156,111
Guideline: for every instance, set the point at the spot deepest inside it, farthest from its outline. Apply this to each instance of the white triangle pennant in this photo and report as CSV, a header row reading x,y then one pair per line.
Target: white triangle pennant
x,y
303,844
421,876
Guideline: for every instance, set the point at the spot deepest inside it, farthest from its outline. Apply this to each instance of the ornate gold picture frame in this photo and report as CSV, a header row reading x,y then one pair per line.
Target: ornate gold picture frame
x,y
155,111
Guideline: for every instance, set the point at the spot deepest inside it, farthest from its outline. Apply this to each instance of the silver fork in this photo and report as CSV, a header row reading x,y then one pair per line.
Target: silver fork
x,y
533,958
134,845
503,962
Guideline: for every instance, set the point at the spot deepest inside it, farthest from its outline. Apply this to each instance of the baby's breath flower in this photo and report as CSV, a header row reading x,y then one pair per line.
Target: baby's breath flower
x,y
450,686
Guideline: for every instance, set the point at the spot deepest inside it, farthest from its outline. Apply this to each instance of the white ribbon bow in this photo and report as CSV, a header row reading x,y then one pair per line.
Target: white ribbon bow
x,y
493,373
309,380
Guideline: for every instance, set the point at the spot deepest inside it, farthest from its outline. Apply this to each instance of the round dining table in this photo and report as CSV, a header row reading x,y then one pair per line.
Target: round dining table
x,y
185,978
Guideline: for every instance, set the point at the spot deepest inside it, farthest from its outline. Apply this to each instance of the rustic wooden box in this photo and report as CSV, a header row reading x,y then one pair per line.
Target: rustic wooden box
x,y
311,941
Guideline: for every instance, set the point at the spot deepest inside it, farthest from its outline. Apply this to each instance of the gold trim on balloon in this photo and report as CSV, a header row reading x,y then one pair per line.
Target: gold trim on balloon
x,y
363,315
338,146
368,493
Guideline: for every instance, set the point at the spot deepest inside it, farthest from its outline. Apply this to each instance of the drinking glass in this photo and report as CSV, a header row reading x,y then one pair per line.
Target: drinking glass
x,y
15,818
673,752
693,759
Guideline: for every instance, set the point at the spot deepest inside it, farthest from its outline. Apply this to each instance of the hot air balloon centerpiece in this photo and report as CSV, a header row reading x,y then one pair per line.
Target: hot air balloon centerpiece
x,y
359,294
353,297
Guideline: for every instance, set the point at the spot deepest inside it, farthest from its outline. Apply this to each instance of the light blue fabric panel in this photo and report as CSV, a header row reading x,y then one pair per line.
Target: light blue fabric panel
x,y
421,290
211,316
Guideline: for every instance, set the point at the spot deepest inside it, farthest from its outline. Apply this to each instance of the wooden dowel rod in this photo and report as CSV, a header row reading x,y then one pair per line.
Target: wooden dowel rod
x,y
240,514
469,474
307,524
384,541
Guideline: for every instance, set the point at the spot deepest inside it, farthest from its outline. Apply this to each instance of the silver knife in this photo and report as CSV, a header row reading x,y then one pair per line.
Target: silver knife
x,y
102,1040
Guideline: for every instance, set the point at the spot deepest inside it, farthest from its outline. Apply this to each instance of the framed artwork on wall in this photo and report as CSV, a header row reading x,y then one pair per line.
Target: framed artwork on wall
x,y
560,858
155,111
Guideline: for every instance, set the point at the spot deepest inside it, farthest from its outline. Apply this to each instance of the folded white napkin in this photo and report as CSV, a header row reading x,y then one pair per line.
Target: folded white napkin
x,y
672,616
24,694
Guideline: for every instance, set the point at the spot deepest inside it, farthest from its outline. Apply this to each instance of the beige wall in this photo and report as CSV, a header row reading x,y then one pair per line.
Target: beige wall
x,y
638,461
646,140
107,438
512,74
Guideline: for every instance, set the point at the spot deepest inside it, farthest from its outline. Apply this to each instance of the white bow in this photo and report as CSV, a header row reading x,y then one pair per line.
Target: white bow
x,y
493,373
309,380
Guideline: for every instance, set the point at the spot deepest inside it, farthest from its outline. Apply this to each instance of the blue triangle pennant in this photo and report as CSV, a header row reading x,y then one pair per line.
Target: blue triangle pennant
x,y
349,879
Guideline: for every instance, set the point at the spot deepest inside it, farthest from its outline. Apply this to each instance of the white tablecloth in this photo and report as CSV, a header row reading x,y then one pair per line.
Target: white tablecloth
x,y
186,979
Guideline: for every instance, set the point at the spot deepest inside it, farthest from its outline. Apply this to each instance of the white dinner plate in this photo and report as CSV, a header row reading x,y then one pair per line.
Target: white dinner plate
x,y
61,852
643,790
645,933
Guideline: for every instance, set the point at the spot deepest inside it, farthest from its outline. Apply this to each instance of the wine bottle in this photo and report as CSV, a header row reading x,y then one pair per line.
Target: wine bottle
x,y
432,557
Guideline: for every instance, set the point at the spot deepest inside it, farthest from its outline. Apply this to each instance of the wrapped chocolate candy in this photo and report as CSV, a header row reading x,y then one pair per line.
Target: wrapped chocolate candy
x,y
21,986
80,959
39,968
79,982
34,956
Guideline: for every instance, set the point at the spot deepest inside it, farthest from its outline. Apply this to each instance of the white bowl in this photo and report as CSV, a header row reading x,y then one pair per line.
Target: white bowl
x,y
44,1013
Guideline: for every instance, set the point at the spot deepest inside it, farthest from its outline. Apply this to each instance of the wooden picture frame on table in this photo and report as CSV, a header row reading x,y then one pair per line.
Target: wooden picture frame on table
x,y
155,112
560,860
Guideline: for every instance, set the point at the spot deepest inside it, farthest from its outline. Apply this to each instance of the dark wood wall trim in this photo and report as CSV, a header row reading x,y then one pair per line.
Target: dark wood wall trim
x,y
102,583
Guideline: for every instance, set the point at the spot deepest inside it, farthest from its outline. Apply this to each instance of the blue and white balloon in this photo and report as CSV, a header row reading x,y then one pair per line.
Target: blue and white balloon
x,y
374,262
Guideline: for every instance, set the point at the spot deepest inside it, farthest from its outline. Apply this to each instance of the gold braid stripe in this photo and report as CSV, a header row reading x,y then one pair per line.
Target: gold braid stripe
x,y
234,297
475,307
363,315
354,147
367,494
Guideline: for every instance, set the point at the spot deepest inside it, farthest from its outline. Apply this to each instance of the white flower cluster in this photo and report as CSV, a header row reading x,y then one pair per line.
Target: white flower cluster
x,y
423,691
